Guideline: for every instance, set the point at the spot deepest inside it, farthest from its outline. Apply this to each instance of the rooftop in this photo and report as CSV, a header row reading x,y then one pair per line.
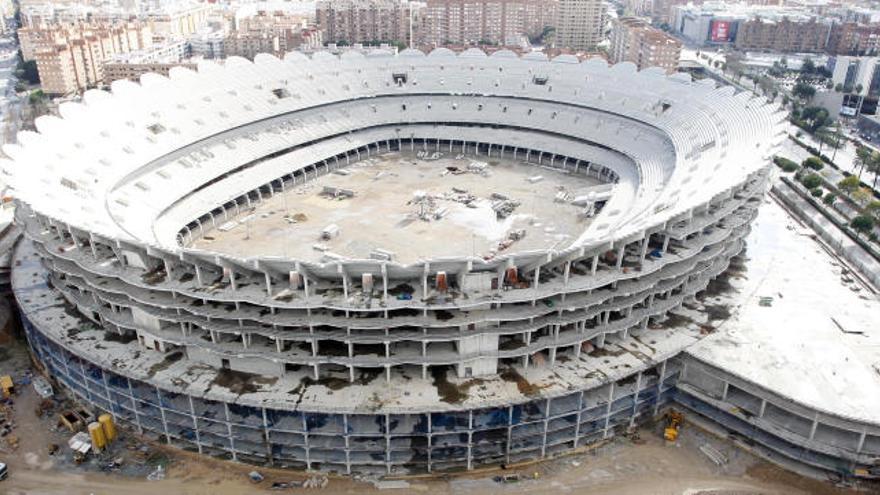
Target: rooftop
x,y
818,342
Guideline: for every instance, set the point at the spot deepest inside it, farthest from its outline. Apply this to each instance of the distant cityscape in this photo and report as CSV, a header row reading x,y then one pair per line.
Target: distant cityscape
x,y
394,240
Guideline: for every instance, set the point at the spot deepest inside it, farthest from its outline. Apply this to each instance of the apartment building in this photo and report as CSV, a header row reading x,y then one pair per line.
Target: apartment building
x,y
284,31
70,58
634,40
123,37
852,38
782,35
181,21
366,21
579,24
498,22
159,59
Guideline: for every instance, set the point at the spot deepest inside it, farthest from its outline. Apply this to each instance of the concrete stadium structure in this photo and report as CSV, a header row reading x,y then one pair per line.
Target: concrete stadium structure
x,y
349,356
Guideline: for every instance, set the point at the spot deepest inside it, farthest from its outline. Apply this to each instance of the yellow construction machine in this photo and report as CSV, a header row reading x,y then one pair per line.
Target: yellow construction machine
x,y
674,419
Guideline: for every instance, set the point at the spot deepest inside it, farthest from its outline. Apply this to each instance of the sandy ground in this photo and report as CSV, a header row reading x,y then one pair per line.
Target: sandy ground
x,y
649,466
382,213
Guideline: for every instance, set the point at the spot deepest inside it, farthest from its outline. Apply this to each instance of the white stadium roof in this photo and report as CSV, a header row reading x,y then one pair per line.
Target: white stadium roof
x,y
140,162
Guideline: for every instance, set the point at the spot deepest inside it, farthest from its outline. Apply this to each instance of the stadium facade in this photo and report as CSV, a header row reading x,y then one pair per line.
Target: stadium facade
x,y
349,356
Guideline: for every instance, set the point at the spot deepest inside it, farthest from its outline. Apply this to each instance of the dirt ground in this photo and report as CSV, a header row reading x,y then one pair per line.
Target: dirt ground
x,y
621,467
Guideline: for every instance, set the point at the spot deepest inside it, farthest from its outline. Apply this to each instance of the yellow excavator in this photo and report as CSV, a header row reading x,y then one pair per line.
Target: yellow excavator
x,y
674,419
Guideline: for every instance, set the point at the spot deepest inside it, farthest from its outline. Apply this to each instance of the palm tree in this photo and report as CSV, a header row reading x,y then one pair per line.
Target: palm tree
x,y
873,166
863,158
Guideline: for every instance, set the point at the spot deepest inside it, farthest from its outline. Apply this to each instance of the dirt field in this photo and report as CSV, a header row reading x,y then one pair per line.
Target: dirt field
x,y
622,467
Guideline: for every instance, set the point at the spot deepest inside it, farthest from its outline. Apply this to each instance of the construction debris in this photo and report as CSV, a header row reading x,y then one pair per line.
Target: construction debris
x,y
43,387
255,476
713,454
316,482
381,254
429,156
157,475
504,208
337,192
391,484
81,445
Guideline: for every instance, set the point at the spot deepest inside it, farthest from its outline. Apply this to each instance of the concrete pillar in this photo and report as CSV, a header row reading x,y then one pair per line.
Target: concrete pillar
x,y
608,410
812,427
229,431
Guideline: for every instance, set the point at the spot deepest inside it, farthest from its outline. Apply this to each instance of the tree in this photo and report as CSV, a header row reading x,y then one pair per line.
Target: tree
x,y
873,208
849,185
829,199
808,67
873,166
839,87
785,164
816,192
862,196
811,118
811,181
767,84
858,89
863,158
37,97
27,71
803,90
862,224
814,163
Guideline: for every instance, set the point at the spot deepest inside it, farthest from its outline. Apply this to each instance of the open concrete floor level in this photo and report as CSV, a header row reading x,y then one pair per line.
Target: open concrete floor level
x,y
455,217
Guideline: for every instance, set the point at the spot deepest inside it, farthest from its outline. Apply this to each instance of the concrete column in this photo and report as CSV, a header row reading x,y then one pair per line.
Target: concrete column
x,y
595,265
659,387
632,419
384,282
608,410
812,428
192,412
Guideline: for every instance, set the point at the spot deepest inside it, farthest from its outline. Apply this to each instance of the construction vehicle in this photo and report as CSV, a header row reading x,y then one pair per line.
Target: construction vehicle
x,y
674,419
7,386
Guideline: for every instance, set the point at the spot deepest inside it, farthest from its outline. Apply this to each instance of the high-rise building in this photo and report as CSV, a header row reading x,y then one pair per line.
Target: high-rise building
x,y
851,38
499,22
179,22
70,58
579,24
783,35
634,40
367,21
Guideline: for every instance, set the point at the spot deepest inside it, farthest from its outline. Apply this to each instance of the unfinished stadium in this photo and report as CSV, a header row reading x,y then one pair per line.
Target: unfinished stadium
x,y
394,263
